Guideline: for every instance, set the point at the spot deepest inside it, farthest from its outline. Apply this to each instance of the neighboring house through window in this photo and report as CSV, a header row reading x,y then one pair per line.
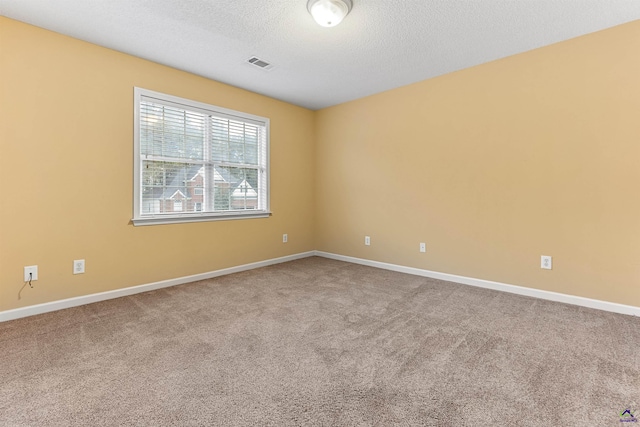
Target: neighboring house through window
x,y
198,162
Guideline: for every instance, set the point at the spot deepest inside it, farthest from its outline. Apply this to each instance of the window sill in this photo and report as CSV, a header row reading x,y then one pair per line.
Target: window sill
x,y
163,220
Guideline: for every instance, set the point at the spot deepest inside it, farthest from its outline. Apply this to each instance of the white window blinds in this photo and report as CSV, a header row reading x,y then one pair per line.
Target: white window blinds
x,y
198,162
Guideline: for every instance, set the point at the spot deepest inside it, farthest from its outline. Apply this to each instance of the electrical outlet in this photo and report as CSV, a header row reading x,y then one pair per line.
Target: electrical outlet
x,y
367,240
285,238
78,266
545,262
423,247
31,273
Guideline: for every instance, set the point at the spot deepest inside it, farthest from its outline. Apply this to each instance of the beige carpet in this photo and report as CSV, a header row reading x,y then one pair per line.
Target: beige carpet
x,y
320,342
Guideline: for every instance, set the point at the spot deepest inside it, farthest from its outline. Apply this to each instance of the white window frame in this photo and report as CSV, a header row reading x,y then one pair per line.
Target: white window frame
x,y
140,218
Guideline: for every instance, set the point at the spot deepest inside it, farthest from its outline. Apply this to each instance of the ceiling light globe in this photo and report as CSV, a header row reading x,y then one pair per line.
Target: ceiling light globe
x,y
329,13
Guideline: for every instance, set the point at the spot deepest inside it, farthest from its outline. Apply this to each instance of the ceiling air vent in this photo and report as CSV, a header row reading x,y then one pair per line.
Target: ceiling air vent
x,y
259,63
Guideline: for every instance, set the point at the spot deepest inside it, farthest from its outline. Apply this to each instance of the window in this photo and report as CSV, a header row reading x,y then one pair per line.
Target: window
x,y
222,155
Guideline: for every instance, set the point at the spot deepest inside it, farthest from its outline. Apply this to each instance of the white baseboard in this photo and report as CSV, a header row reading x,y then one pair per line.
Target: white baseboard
x,y
102,296
530,292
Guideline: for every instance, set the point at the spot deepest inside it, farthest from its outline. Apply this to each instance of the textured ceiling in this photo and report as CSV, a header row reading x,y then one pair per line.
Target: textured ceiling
x,y
381,44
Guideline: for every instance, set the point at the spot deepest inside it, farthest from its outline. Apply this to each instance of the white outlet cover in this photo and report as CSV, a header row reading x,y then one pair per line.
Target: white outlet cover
x,y
367,240
546,262
78,266
285,238
423,247
31,273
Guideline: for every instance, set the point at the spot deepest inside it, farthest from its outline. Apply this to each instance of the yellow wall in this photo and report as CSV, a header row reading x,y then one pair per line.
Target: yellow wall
x,y
494,166
66,173
491,166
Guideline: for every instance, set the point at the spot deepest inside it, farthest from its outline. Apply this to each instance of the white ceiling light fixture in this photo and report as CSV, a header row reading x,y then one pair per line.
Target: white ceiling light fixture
x,y
329,13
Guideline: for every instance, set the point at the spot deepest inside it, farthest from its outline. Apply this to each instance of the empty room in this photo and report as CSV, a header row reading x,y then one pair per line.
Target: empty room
x,y
319,213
